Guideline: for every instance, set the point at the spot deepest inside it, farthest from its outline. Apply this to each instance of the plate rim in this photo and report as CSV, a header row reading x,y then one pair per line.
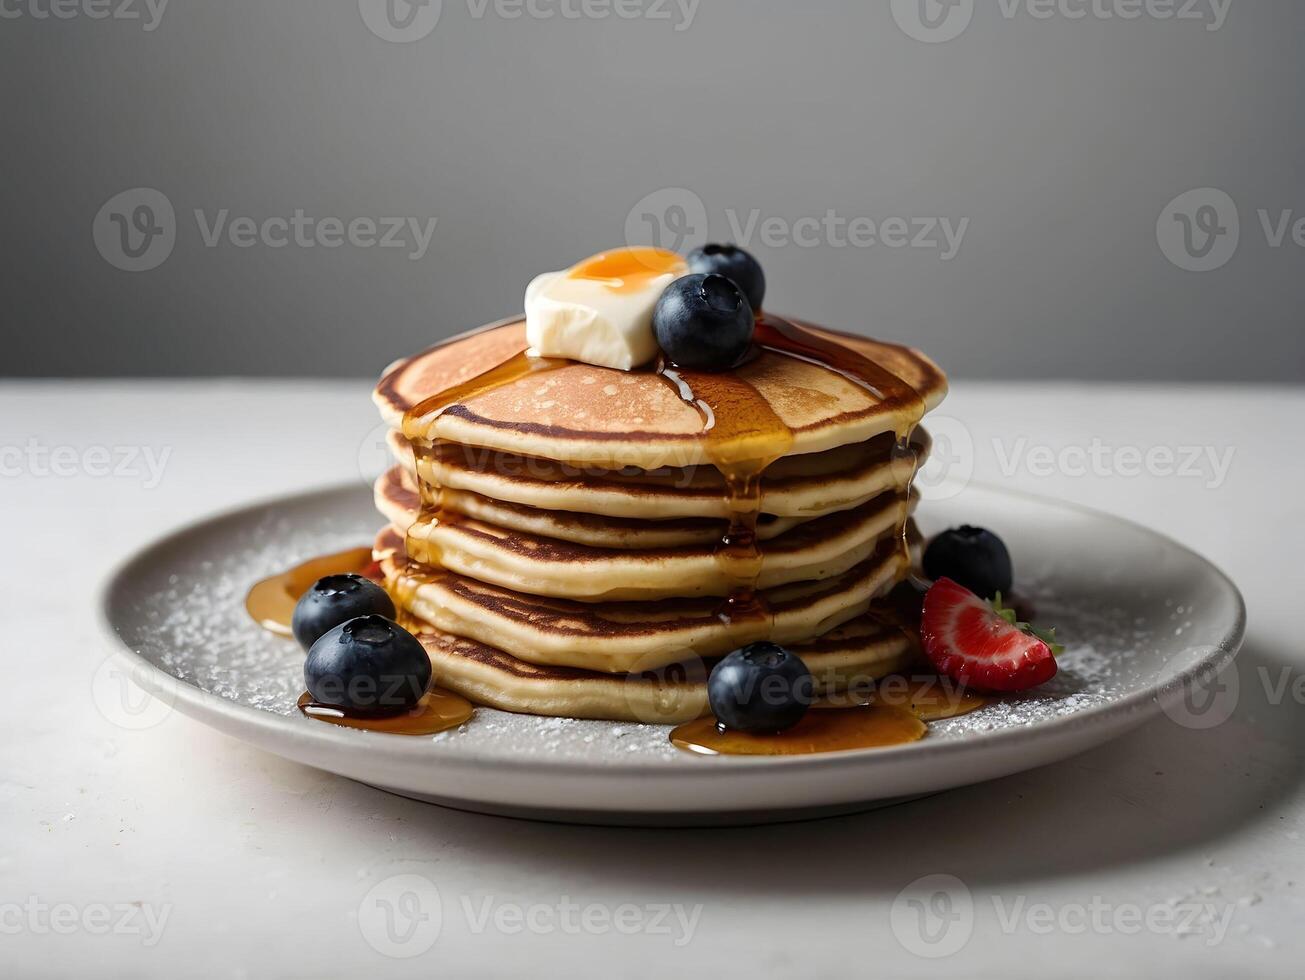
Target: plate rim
x,y
194,702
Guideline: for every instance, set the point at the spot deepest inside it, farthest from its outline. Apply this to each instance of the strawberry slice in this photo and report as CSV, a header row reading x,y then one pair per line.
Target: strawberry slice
x,y
981,645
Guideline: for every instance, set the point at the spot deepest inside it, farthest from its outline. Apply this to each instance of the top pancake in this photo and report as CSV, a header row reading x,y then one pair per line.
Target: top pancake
x,y
586,414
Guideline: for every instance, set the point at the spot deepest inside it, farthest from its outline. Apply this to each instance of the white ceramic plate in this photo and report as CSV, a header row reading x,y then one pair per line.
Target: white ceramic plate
x,y
1146,622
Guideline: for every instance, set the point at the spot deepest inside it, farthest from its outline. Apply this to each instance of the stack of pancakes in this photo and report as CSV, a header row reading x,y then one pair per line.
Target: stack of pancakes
x,y
567,560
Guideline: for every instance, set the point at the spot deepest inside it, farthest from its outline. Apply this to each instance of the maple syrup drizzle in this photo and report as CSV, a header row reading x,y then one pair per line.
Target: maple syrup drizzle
x,y
437,711
741,437
894,394
271,602
626,270
828,730
418,428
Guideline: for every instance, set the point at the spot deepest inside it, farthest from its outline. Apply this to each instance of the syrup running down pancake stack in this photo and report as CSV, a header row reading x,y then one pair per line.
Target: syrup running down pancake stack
x,y
580,541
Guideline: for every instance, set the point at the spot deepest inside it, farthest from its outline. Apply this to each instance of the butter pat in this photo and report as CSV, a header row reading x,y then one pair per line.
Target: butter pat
x,y
600,310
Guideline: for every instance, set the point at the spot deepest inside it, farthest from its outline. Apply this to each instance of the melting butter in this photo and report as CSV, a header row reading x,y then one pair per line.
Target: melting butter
x,y
599,311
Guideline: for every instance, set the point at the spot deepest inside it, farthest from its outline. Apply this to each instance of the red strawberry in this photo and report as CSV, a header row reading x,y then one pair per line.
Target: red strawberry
x,y
981,645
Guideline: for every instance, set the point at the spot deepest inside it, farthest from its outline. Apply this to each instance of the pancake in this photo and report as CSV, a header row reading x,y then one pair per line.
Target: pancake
x,y
853,654
600,416
577,567
823,548
807,485
397,499
617,637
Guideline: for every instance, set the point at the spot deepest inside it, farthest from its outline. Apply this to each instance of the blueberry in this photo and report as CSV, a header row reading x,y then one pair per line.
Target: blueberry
x,y
703,323
733,263
972,556
368,665
761,688
334,599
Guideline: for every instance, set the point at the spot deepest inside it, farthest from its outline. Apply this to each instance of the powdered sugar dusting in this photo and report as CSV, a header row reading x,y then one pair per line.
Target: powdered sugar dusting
x,y
184,611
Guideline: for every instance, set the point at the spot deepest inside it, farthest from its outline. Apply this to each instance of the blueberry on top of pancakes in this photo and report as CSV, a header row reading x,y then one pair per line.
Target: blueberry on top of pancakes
x,y
734,264
704,322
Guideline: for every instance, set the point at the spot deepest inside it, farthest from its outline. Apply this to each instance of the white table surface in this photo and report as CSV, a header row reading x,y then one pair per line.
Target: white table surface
x,y
253,866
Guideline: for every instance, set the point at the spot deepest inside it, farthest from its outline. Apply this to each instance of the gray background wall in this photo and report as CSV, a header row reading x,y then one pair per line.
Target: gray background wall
x,y
1061,140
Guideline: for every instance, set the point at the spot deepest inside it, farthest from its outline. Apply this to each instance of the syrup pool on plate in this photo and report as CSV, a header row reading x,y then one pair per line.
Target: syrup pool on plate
x,y
928,698
437,711
271,602
894,711
831,730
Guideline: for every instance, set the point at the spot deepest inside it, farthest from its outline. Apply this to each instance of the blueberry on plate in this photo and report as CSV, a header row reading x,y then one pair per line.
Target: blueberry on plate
x,y
334,599
972,556
733,263
761,688
703,323
369,665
